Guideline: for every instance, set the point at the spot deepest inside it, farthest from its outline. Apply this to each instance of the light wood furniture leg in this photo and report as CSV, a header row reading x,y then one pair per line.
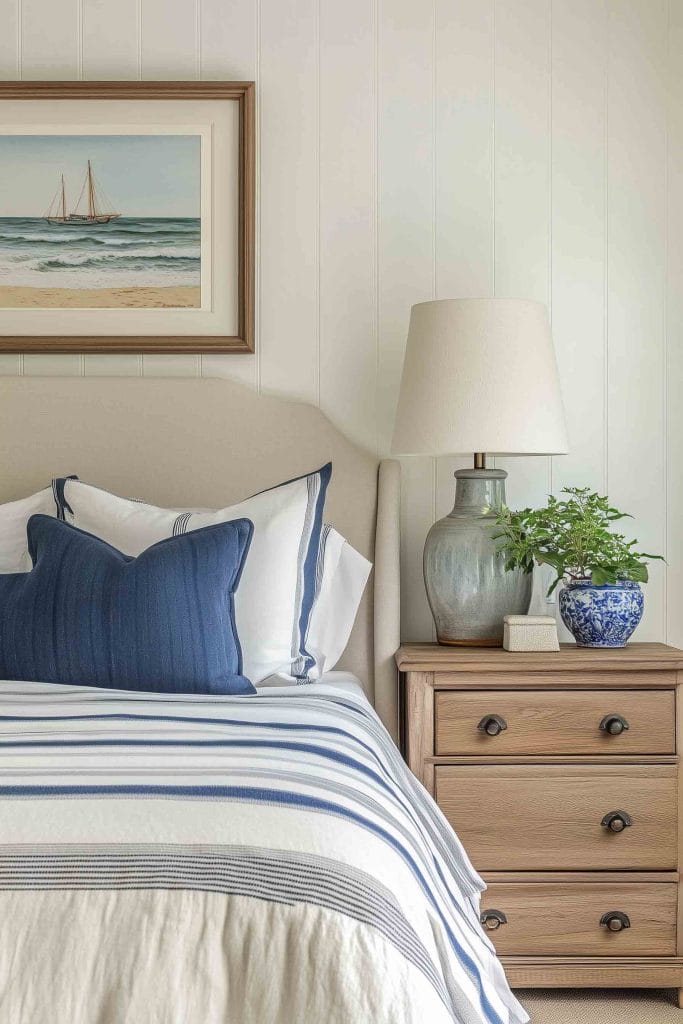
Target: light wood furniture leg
x,y
419,738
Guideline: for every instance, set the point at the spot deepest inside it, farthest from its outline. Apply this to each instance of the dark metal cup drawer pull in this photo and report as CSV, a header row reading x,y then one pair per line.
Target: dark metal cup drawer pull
x,y
615,921
617,821
492,725
492,919
613,725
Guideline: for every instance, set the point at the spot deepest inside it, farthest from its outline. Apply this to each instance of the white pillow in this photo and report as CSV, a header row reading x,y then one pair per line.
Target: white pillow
x,y
14,516
274,599
342,578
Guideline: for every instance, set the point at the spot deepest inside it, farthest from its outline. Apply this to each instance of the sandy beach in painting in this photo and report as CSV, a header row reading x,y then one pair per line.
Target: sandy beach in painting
x,y
176,297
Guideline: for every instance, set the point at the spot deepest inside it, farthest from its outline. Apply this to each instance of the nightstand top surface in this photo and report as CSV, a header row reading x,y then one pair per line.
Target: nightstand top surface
x,y
633,657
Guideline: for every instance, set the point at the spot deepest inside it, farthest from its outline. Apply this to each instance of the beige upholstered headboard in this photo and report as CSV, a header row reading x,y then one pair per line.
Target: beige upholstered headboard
x,y
208,443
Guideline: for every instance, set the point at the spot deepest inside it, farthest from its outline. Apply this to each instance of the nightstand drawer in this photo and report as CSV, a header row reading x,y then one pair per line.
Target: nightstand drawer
x,y
564,920
548,817
555,722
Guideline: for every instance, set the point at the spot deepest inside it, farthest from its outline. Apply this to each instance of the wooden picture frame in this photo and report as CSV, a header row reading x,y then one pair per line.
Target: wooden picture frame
x,y
240,245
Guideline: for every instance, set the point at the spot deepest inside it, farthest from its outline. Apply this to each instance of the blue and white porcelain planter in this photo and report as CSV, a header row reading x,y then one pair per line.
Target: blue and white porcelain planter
x,y
601,616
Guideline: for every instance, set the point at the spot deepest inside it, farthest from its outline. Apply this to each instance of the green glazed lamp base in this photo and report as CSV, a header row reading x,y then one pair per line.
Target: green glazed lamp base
x,y
468,589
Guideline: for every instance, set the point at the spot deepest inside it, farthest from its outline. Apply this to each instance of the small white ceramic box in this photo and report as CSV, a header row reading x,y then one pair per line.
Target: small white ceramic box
x,y
530,633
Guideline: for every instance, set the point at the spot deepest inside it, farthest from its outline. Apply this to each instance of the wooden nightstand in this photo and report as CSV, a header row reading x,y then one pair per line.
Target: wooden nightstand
x,y
560,774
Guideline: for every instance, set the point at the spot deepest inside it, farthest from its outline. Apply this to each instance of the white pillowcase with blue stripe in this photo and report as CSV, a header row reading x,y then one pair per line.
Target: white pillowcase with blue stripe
x,y
14,515
342,574
277,590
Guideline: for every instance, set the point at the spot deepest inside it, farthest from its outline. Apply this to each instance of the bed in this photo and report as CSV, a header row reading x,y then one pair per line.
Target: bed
x,y
202,857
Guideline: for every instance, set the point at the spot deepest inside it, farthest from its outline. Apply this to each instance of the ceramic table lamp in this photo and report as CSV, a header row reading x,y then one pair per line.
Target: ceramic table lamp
x,y
479,377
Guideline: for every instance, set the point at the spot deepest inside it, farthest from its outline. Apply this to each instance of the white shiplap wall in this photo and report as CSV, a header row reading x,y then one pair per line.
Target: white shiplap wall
x,y
439,148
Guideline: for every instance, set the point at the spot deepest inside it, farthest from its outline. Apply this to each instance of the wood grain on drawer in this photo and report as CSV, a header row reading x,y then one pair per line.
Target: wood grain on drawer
x,y
547,722
547,817
564,920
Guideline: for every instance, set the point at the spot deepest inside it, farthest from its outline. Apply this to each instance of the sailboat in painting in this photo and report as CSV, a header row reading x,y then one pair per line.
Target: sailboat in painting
x,y
95,214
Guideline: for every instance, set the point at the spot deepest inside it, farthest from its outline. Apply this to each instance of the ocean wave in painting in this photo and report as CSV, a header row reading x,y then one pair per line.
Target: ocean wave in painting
x,y
130,252
141,262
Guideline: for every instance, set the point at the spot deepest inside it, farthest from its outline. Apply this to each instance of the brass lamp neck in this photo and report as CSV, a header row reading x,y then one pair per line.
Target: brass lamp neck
x,y
480,460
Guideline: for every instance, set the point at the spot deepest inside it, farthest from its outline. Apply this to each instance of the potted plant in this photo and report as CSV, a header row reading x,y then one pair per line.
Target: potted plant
x,y
601,602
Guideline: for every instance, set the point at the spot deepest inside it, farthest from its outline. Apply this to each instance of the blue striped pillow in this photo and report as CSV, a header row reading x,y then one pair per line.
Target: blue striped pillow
x,y
277,593
86,614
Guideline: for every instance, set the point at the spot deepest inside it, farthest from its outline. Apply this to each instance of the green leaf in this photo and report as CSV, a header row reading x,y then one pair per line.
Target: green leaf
x,y
575,535
638,573
546,558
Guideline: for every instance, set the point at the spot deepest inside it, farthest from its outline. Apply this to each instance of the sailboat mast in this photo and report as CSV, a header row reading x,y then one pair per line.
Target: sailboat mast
x,y
63,199
91,198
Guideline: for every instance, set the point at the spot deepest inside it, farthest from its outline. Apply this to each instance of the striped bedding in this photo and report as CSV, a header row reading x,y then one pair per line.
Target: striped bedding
x,y
265,859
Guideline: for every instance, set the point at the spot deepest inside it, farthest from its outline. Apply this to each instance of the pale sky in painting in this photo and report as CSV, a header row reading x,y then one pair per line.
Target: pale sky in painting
x,y
142,175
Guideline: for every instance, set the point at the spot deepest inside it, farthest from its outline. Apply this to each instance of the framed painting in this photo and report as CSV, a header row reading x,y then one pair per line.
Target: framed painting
x,y
126,216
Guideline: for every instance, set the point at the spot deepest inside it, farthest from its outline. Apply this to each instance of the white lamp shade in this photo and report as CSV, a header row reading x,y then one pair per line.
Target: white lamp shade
x,y
479,375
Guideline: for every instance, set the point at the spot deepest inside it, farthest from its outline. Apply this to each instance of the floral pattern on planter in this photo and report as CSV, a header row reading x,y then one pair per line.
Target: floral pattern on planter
x,y
601,616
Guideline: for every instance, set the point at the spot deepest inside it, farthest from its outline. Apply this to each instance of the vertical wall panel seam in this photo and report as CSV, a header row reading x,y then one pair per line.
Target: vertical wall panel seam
x,y
316,255
434,469
140,3
665,318
79,39
20,15
605,427
434,151
198,362
375,213
257,296
198,38
550,196
434,278
493,149
139,41
493,155
198,73
79,73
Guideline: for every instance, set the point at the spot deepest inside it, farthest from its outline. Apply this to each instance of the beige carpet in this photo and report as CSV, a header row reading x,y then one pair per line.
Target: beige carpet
x,y
590,1006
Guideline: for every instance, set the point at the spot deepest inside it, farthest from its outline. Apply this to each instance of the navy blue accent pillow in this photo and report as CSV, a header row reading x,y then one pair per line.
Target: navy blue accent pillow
x,y
89,615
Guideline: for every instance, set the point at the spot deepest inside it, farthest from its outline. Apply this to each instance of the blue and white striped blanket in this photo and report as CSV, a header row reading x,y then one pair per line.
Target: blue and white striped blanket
x,y
204,859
